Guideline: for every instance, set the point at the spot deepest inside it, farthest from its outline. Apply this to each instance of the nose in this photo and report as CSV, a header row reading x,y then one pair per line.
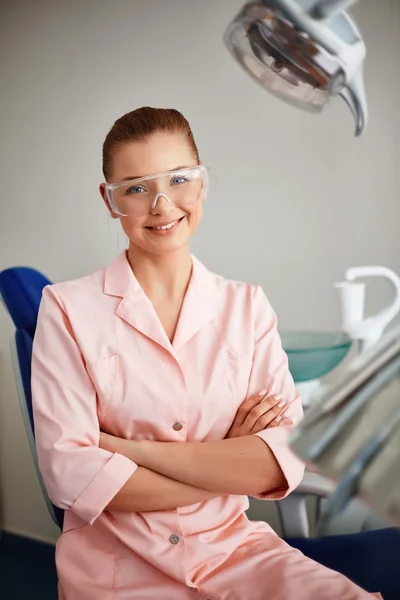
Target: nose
x,y
161,205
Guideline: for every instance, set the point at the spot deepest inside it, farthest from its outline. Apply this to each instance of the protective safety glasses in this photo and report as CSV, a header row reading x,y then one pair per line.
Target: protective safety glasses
x,y
180,188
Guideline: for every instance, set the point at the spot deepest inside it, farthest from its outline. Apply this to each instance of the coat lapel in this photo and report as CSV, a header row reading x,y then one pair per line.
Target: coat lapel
x,y
200,306
135,307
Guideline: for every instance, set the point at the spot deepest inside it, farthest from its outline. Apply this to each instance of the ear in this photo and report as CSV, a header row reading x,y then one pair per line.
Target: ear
x,y
103,192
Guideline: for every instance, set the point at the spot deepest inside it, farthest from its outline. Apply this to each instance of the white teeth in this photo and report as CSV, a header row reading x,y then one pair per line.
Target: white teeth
x,y
167,226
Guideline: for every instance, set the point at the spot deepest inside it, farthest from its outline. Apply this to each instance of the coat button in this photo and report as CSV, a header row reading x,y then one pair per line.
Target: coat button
x,y
174,539
177,426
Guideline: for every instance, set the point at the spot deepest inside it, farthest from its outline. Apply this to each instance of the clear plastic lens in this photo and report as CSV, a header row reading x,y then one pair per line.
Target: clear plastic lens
x,y
283,59
137,196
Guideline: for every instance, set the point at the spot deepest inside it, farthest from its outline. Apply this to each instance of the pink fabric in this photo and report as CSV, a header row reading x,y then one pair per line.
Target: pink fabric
x,y
102,360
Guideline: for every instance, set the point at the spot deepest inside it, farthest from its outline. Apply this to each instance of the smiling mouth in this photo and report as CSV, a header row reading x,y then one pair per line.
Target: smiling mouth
x,y
167,227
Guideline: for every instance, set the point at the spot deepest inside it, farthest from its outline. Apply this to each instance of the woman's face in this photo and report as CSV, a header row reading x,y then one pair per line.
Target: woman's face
x,y
158,153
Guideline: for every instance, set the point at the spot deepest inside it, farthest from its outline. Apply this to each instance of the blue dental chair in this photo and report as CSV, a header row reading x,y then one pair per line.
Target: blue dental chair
x,y
370,559
21,292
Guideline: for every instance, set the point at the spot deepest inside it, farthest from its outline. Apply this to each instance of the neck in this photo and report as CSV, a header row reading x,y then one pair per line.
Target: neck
x,y
161,276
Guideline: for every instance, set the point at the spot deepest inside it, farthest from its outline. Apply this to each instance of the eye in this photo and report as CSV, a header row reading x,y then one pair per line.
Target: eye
x,y
179,179
134,189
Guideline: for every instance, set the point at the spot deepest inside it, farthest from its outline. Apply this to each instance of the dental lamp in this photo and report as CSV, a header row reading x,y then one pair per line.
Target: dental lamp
x,y
303,52
306,52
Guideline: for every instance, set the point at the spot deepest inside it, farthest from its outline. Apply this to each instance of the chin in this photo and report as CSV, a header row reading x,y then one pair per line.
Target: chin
x,y
159,247
168,246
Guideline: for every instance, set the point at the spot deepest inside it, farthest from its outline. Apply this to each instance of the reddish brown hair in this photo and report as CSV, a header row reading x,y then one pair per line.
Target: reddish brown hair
x,y
141,123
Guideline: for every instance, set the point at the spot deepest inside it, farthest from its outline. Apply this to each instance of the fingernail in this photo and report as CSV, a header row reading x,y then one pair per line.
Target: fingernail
x,y
282,403
278,418
278,397
262,393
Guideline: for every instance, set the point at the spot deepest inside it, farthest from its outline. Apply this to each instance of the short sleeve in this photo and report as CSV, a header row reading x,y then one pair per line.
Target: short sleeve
x,y
270,371
78,475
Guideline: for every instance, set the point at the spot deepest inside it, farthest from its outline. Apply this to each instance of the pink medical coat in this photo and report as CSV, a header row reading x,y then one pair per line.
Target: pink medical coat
x,y
102,360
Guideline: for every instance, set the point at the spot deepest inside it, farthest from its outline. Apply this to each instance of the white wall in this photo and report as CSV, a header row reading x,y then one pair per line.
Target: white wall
x,y
296,197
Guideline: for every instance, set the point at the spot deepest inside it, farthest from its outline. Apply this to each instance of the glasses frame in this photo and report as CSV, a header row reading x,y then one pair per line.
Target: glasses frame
x,y
110,187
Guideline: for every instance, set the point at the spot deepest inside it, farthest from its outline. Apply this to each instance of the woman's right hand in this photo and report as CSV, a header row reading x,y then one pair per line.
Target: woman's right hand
x,y
257,413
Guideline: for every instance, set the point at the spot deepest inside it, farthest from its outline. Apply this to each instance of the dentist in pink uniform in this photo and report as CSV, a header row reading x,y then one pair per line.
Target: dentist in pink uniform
x,y
162,400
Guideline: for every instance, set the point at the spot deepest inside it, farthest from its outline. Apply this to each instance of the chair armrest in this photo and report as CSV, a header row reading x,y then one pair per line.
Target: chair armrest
x,y
315,485
293,510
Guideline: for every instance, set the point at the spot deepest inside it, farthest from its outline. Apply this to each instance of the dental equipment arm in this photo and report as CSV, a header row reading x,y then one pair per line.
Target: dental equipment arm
x,y
352,434
323,9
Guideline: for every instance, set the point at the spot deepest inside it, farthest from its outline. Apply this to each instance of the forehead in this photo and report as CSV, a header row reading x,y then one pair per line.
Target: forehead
x,y
155,154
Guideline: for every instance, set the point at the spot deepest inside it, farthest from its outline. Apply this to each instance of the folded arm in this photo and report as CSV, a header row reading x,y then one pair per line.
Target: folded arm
x,y
148,491
238,466
259,465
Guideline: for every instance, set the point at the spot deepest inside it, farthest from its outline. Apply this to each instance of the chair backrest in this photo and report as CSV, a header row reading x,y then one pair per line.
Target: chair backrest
x,y
21,291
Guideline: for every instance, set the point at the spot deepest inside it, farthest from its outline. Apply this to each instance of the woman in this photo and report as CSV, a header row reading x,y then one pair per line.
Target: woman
x,y
162,399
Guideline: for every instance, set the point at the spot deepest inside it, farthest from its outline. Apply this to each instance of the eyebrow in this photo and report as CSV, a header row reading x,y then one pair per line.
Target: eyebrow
x,y
170,171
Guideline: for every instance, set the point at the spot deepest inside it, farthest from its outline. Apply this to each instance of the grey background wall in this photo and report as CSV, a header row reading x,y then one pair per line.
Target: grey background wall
x,y
295,198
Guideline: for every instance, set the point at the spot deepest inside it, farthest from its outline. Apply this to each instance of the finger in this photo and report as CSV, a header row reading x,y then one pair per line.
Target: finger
x,y
264,420
284,410
247,406
269,409
284,422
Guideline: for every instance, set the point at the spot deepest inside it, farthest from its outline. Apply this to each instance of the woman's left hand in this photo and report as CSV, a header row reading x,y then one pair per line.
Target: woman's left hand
x,y
259,412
